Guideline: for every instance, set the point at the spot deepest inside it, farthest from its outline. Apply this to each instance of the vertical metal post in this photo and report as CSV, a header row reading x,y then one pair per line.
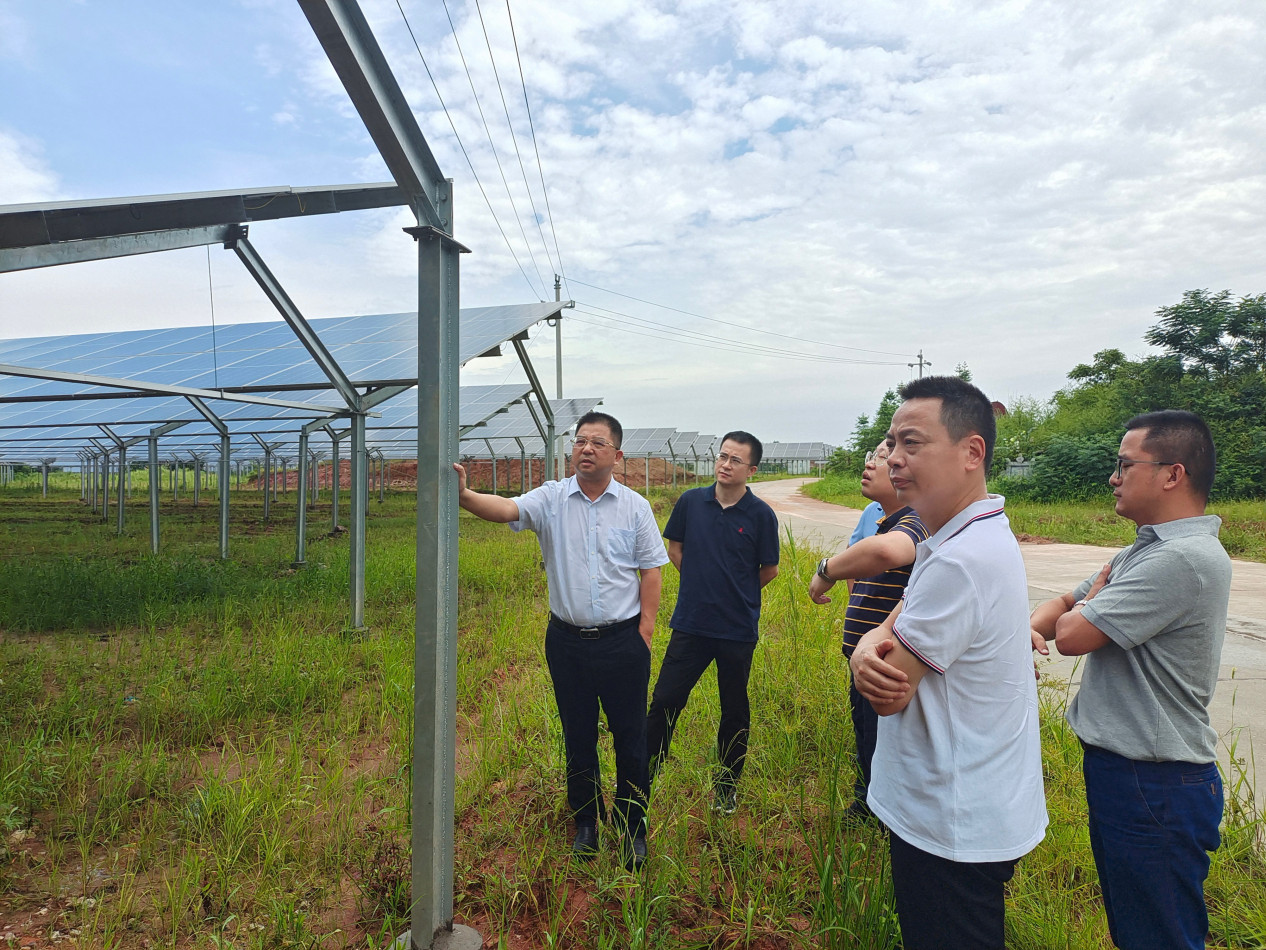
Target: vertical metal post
x,y
105,486
154,475
223,489
301,514
122,488
359,511
197,479
335,477
435,640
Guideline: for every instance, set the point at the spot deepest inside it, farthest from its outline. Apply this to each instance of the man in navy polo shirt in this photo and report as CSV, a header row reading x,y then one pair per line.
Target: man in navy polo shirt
x,y
724,541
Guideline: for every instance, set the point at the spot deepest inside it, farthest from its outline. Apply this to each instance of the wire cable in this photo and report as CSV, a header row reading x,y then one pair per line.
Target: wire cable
x,y
749,347
462,146
497,158
719,343
536,216
741,326
532,126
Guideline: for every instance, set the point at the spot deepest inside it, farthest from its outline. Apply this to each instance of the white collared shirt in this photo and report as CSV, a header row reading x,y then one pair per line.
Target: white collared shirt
x,y
958,772
593,550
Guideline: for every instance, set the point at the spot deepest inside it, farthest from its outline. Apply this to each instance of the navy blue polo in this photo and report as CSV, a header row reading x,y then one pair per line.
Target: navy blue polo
x,y
722,552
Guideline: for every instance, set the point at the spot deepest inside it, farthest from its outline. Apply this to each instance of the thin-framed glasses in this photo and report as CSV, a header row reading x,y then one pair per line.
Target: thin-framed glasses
x,y
580,442
1124,464
876,457
726,458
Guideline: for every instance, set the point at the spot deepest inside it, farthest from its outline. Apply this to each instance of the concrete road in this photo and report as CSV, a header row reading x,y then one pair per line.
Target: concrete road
x,y
1239,705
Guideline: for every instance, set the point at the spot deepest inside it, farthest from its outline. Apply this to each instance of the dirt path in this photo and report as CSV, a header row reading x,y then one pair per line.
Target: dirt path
x,y
1239,706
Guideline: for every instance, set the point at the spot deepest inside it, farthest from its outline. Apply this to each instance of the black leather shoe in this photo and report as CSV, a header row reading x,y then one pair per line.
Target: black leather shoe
x,y
634,854
585,844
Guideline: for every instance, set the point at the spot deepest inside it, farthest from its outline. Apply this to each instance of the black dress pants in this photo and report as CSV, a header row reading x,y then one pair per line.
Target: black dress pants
x,y
948,905
613,671
685,660
865,730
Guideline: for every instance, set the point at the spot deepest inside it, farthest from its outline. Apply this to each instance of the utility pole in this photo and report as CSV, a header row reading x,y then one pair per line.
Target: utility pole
x,y
921,363
558,369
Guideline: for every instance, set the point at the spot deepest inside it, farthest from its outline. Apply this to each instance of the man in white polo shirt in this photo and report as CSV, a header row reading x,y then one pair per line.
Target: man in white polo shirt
x,y
957,773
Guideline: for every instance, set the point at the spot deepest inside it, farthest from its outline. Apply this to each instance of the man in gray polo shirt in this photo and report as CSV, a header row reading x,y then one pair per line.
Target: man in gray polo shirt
x,y
1151,625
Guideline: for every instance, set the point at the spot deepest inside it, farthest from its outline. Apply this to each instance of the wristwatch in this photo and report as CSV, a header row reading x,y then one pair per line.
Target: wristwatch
x,y
1080,603
822,570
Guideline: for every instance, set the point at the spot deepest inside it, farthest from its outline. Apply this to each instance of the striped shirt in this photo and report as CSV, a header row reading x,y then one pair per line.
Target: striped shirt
x,y
874,598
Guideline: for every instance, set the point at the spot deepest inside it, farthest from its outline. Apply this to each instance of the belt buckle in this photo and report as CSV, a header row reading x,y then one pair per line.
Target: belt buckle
x,y
589,633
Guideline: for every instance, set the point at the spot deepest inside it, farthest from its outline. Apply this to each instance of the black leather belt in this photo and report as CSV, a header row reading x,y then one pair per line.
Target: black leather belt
x,y
593,633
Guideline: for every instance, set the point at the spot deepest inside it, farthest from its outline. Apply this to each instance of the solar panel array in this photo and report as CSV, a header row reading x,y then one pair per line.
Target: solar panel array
x,y
265,358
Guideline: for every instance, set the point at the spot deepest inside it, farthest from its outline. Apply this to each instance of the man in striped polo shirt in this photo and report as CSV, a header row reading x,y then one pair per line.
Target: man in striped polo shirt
x,y
877,569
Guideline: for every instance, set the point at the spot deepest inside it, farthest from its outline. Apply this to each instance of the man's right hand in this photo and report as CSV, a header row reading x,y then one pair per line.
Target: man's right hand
x,y
461,478
818,586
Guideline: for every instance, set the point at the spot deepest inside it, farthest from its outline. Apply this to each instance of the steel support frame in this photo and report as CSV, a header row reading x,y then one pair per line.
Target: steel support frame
x,y
548,432
349,43
223,470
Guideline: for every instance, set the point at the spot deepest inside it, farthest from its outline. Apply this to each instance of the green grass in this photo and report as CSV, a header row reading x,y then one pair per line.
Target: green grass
x,y
193,751
1085,522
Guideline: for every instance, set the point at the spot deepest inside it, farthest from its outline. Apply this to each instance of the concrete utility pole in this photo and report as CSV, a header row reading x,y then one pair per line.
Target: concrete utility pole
x,y
921,363
558,369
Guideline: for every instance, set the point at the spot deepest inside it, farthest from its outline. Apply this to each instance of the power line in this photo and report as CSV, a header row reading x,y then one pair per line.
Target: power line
x,y
707,346
495,156
462,146
514,139
532,126
721,343
729,323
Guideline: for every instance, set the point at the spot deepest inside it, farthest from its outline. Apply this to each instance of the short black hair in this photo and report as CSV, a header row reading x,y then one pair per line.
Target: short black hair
x,y
1175,435
589,418
745,438
965,410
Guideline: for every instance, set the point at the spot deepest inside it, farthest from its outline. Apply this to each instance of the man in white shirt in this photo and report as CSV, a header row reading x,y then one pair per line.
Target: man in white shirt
x,y
957,773
603,554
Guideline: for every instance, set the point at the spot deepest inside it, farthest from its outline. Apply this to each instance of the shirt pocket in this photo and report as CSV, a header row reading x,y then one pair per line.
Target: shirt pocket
x,y
622,547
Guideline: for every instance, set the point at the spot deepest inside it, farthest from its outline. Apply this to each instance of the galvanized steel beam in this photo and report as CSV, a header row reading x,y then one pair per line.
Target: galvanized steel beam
x,y
139,388
290,313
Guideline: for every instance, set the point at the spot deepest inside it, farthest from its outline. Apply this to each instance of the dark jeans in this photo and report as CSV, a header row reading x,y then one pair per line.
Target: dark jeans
x,y
1152,826
948,905
865,729
684,662
614,671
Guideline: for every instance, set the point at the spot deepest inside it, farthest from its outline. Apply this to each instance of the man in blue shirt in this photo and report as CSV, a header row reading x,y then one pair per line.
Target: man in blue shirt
x,y
602,553
724,541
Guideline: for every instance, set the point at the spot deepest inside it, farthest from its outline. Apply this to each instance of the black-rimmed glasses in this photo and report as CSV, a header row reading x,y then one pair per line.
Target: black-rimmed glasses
x,y
1124,464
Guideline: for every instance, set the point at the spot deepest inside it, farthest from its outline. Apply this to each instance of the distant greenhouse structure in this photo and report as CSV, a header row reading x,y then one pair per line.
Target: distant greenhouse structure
x,y
795,458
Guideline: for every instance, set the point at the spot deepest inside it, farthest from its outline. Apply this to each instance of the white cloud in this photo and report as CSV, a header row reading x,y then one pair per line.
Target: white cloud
x,y
1013,185
24,174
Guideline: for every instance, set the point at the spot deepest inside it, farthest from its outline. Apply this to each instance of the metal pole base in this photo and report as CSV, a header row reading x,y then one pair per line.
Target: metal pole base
x,y
460,937
298,565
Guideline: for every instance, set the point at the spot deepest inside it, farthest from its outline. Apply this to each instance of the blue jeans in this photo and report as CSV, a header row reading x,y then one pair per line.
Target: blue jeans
x,y
1152,825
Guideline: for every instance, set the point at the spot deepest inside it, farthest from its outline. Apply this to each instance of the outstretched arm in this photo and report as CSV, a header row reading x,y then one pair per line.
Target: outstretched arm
x,y
488,507
866,558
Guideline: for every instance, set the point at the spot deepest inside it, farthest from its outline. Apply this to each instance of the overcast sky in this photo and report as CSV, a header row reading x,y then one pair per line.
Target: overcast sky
x,y
1010,185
